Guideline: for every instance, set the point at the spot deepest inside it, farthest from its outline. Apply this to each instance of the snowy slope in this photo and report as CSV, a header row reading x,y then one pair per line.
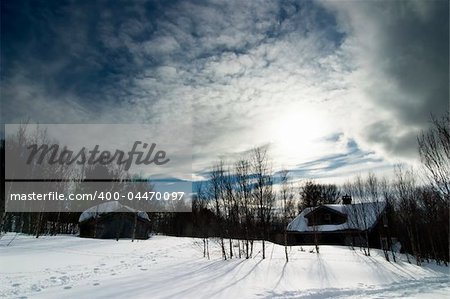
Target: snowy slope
x,y
169,267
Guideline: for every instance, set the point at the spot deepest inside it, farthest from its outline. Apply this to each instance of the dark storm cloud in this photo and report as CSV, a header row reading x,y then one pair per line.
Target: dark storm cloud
x,y
402,48
97,53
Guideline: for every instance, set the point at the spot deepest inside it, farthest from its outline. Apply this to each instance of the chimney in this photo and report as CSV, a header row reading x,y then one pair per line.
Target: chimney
x,y
346,199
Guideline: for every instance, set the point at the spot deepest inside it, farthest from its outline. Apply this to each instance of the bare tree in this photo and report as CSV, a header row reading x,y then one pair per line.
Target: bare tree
x,y
263,191
386,191
330,194
216,193
407,208
17,147
231,209
375,206
200,219
287,202
244,187
361,210
429,204
434,150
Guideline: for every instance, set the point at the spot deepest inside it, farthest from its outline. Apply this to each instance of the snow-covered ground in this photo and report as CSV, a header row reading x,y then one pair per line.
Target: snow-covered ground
x,y
169,267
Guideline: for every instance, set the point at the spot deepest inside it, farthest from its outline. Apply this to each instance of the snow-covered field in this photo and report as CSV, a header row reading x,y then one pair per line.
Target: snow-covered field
x,y
169,267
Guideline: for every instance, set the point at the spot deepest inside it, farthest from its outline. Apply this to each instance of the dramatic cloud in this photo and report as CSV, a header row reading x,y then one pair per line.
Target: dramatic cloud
x,y
400,53
343,86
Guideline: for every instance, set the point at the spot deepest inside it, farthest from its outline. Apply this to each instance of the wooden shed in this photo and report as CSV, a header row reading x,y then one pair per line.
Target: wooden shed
x,y
112,220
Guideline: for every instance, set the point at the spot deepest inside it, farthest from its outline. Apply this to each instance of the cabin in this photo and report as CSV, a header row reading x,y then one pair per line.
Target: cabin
x,y
112,220
340,224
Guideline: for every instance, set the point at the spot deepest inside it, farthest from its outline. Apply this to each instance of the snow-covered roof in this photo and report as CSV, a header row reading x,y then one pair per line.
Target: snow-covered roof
x,y
109,207
360,216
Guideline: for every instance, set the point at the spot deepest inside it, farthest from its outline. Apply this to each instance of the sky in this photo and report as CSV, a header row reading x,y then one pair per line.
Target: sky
x,y
332,88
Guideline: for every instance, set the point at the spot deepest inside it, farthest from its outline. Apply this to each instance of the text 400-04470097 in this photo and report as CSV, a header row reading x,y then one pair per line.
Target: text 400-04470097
x,y
149,195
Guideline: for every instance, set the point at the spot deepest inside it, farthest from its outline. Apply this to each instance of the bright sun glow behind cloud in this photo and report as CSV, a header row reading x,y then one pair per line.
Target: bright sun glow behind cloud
x,y
297,132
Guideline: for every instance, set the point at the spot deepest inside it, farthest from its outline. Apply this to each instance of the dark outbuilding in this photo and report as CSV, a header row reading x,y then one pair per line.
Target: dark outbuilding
x,y
113,220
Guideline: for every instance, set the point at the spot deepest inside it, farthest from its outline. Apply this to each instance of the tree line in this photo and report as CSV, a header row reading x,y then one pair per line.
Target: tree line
x,y
243,204
246,200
